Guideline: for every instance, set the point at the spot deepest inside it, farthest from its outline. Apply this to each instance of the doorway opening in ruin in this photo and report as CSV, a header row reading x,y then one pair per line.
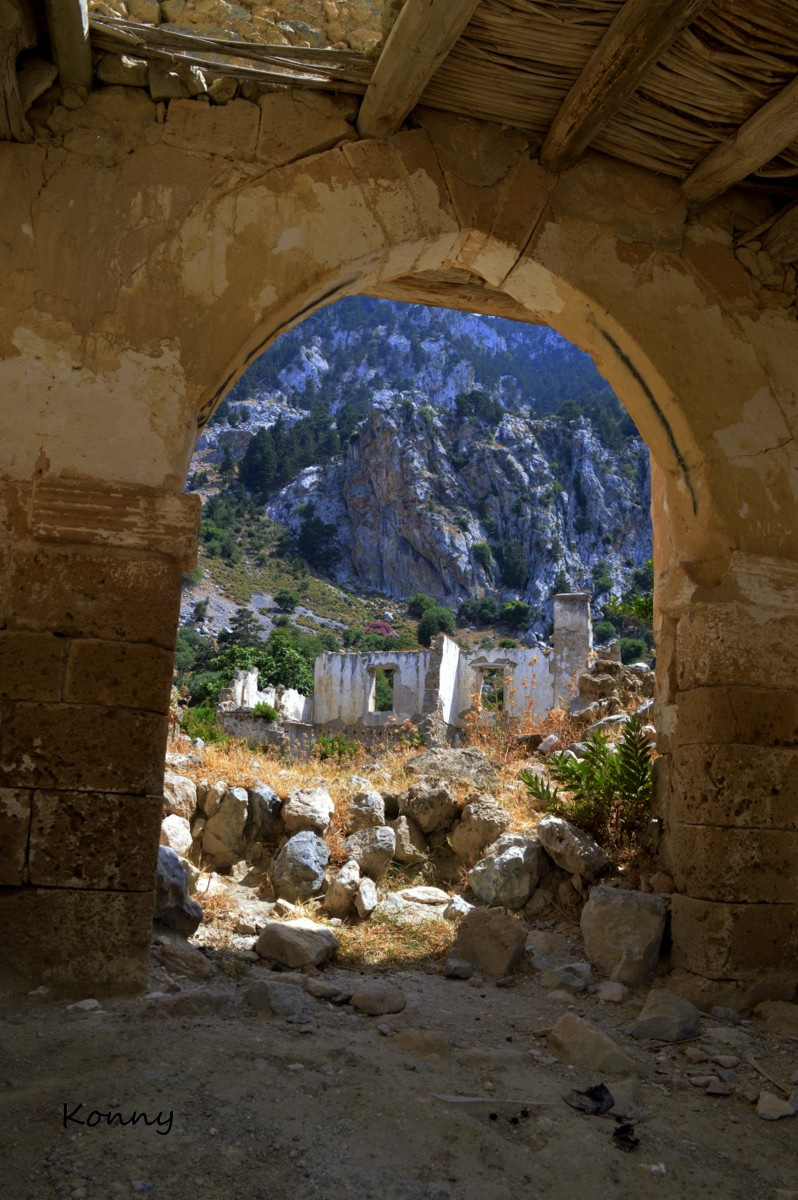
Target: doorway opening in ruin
x,y
491,691
381,696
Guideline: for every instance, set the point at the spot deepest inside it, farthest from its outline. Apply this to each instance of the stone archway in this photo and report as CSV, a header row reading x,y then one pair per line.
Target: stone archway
x,y
201,260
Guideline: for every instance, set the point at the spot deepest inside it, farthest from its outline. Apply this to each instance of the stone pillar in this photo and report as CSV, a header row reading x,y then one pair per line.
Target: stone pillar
x,y
728,703
88,618
572,642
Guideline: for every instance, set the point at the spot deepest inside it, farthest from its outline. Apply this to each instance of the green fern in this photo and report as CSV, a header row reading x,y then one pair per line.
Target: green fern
x,y
607,794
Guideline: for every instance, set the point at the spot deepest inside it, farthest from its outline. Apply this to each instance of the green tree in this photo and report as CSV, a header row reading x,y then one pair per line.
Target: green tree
x,y
434,621
286,600
418,604
244,630
318,541
483,556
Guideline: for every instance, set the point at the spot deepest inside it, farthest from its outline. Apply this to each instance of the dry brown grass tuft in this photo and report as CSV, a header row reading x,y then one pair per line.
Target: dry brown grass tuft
x,y
379,942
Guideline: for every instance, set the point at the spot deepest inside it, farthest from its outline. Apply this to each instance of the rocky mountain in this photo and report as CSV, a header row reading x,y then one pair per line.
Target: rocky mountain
x,y
443,452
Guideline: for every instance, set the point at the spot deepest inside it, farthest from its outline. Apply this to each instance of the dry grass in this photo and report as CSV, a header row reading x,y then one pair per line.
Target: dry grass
x,y
379,942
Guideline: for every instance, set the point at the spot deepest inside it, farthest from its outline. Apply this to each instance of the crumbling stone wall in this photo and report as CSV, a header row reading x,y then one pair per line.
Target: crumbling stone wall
x,y
150,252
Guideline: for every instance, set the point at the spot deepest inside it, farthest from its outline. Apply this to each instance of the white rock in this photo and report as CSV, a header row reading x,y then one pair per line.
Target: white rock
x,y
366,898
571,849
223,836
481,822
425,895
179,796
340,895
296,943
457,908
297,870
411,846
548,745
431,804
372,849
176,833
773,1108
310,808
366,810
510,871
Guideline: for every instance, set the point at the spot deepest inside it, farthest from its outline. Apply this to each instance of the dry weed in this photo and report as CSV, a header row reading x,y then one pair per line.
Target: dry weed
x,y
379,942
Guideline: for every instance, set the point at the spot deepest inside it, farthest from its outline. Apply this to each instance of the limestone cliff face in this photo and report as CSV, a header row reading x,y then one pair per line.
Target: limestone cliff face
x,y
418,489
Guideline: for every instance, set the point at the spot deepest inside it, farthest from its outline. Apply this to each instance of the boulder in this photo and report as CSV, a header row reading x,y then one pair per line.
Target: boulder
x,y
572,977
578,1042
430,803
179,796
779,1016
425,895
297,870
510,871
176,832
366,898
179,957
173,906
481,823
468,763
492,942
212,798
366,810
223,836
548,745
308,809
571,848
372,849
456,967
341,891
405,912
667,1017
264,824
296,943
623,932
410,844
457,908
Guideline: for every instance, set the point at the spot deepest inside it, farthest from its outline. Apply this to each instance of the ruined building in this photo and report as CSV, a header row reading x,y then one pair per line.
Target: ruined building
x,y
628,179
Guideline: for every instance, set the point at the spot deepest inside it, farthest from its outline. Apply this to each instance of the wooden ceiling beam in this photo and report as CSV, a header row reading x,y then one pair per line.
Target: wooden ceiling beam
x,y
422,36
68,22
764,135
639,35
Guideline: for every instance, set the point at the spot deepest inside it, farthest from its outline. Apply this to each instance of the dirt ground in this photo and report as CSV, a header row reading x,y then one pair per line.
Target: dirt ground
x,y
457,1097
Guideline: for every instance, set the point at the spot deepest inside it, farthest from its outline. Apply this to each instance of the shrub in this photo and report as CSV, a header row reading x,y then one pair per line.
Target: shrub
x,y
201,722
483,556
435,620
603,632
417,605
267,711
192,578
286,600
633,650
608,795
516,614
382,629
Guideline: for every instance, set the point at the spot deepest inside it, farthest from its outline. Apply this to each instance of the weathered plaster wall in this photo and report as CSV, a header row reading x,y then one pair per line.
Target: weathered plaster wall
x,y
343,687
148,253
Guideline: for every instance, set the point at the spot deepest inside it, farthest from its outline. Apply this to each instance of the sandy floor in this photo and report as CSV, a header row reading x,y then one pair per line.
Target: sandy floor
x,y
455,1098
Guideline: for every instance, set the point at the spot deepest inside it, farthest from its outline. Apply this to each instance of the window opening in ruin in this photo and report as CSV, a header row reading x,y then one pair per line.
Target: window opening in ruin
x,y
382,690
491,693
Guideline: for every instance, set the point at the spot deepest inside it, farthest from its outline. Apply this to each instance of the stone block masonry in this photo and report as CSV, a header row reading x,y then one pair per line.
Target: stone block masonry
x,y
87,627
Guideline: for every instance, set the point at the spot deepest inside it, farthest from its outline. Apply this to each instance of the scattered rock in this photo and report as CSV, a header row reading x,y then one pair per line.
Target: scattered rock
x,y
425,895
282,999
779,1016
468,763
661,883
510,871
404,912
481,823
176,833
609,991
573,977
491,941
579,1042
730,1037
208,803
88,1005
223,836
548,745
411,846
773,1108
173,906
376,999
623,933
264,824
179,957
366,898
430,803
308,809
297,870
457,967
179,796
667,1017
340,895
457,908
571,849
372,849
296,943
366,810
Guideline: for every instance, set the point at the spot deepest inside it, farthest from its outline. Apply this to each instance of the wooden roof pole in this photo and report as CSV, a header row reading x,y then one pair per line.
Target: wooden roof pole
x,y
68,22
764,135
639,35
422,36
